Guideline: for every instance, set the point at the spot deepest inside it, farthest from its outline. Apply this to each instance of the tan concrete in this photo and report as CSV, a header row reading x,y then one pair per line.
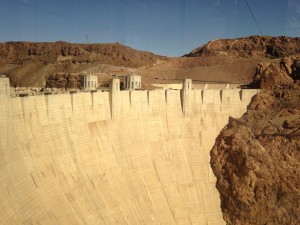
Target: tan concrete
x,y
64,161
178,86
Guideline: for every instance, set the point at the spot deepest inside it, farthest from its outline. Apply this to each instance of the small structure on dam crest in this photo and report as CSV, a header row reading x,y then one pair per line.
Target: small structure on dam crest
x,y
90,82
133,82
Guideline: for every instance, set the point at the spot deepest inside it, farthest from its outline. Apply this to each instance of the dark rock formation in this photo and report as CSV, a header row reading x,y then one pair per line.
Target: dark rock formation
x,y
67,81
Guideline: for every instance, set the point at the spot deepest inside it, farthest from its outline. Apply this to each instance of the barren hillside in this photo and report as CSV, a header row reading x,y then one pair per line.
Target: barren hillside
x,y
32,63
228,60
250,47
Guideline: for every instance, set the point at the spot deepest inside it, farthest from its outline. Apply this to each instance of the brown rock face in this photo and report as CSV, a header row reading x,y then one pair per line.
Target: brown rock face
x,y
253,47
280,73
20,52
66,81
256,160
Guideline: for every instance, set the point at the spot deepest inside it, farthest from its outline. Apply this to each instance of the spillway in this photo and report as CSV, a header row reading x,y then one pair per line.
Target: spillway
x,y
118,157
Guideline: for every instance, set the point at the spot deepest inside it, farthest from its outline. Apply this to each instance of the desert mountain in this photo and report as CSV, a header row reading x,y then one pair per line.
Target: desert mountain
x,y
224,60
32,63
115,54
250,47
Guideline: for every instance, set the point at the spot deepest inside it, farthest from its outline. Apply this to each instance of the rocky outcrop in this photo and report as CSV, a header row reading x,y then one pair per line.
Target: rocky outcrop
x,y
67,81
250,47
256,160
281,73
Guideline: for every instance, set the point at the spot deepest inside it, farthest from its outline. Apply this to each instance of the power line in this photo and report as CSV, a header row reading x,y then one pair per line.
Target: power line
x,y
253,16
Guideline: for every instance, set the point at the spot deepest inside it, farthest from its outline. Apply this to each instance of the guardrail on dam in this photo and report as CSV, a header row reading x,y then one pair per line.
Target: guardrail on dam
x,y
129,157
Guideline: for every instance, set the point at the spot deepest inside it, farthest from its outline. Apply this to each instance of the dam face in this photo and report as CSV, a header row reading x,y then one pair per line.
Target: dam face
x,y
129,157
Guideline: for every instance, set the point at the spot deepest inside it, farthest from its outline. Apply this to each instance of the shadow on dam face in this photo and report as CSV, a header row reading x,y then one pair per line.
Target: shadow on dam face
x,y
65,161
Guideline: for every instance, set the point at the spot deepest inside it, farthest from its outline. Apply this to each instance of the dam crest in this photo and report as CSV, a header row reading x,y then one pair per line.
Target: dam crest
x,y
117,157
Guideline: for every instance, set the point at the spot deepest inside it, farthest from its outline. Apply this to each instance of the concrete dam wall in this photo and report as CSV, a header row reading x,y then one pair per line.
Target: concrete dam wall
x,y
118,157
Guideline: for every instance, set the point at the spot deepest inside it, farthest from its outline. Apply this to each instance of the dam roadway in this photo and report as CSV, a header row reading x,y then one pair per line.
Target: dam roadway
x,y
118,157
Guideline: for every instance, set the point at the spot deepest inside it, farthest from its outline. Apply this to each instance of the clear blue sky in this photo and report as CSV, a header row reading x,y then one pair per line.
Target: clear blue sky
x,y
166,27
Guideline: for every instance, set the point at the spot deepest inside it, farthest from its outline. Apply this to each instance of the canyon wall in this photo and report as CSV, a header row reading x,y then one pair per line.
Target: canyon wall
x,y
118,157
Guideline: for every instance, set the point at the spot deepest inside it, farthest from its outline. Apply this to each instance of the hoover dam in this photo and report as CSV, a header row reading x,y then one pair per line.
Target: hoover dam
x,y
117,157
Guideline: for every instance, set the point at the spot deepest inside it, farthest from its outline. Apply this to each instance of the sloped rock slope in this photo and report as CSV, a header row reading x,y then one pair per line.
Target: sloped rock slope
x,y
279,73
250,47
256,160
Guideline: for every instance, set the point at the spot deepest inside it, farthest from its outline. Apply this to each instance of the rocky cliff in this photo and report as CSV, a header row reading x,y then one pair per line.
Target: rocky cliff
x,y
279,73
250,47
256,158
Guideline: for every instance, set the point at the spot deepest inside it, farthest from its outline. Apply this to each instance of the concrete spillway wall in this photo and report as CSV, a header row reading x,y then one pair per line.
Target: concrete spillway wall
x,y
139,157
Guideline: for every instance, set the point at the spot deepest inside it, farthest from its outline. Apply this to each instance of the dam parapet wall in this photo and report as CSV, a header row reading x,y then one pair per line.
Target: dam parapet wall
x,y
130,103
218,97
123,157
122,102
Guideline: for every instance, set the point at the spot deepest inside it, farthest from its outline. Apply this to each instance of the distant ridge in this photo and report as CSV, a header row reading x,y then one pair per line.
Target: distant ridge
x,y
111,53
31,63
250,47
227,60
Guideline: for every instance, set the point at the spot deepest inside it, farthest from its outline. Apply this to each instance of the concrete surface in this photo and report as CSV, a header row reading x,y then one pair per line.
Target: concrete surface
x,y
64,160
